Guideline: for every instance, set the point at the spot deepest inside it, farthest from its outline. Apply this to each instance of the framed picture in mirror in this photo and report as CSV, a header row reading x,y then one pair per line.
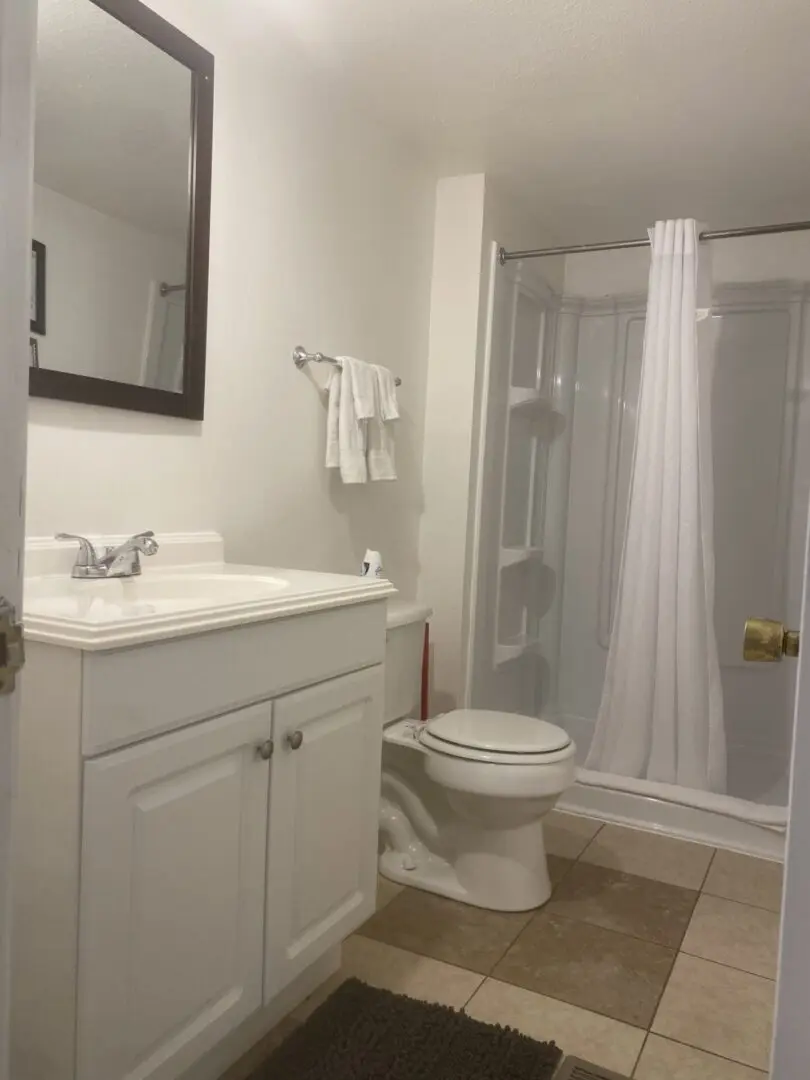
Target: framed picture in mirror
x,y
122,196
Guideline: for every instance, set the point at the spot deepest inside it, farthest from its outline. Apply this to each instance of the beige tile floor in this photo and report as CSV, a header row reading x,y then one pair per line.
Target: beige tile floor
x,y
655,957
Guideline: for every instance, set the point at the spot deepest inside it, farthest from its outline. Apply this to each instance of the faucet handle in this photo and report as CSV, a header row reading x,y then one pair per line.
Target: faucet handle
x,y
87,553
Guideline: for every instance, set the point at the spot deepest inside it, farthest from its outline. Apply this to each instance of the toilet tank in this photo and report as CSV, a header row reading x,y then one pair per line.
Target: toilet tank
x,y
404,645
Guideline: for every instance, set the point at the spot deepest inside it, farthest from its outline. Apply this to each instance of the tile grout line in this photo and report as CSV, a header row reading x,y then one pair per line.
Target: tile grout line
x,y
657,1008
463,1008
574,1004
647,832
708,870
514,940
703,1050
429,956
728,967
733,900
611,930
591,840
652,1031
422,955
641,1051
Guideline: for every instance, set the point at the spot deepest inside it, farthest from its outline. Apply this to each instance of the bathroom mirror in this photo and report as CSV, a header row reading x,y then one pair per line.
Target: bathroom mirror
x,y
122,192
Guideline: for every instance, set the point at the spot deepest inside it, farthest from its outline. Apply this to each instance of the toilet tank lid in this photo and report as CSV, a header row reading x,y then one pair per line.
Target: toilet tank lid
x,y
406,612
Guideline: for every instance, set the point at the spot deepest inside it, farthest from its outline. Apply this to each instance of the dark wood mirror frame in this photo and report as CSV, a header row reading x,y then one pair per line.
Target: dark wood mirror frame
x,y
190,403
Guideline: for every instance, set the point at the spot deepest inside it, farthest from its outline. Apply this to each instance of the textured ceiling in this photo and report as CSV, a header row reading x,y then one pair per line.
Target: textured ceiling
x,y
602,115
112,118
599,115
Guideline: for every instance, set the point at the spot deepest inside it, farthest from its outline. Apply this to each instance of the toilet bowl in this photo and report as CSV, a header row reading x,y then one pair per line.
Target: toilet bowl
x,y
464,795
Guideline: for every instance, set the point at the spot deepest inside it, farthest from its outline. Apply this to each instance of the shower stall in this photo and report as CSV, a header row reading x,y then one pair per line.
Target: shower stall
x,y
558,419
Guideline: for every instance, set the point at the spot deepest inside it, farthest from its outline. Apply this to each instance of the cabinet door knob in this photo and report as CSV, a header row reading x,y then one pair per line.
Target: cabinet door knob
x,y
265,750
295,738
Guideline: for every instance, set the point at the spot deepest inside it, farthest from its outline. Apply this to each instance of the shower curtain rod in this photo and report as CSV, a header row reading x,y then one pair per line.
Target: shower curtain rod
x,y
505,256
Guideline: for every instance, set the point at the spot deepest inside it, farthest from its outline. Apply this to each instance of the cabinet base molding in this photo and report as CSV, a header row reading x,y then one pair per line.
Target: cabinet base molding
x,y
237,1044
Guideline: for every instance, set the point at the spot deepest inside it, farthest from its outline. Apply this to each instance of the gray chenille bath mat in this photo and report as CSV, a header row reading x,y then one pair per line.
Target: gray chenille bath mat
x,y
360,1033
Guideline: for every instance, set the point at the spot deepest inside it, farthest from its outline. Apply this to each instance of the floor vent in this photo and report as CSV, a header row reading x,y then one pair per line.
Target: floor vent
x,y
577,1069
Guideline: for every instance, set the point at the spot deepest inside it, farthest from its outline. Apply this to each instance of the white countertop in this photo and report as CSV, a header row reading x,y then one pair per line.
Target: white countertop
x,y
175,600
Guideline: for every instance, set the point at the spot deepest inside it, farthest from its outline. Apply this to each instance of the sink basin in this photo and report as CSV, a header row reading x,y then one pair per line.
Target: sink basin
x,y
176,600
111,599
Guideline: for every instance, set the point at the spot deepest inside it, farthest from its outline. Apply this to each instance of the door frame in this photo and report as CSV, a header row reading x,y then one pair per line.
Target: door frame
x,y
790,1050
18,19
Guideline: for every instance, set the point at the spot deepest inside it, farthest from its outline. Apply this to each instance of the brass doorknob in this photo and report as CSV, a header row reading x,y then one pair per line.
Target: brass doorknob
x,y
767,641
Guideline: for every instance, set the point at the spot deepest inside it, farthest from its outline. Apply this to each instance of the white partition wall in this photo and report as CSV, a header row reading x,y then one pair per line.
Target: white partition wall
x,y
515,586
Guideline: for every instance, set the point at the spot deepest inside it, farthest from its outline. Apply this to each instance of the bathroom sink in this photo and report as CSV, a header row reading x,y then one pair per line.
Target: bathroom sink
x,y
175,600
111,599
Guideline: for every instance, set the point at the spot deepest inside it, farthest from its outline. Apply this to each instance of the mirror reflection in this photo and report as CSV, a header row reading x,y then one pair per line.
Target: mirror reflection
x,y
111,200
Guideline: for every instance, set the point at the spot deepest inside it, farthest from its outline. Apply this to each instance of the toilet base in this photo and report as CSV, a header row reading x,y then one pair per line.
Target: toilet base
x,y
498,885
432,873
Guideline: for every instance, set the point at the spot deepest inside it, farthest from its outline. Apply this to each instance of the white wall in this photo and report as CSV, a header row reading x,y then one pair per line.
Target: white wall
x,y
780,257
449,423
320,235
471,215
99,272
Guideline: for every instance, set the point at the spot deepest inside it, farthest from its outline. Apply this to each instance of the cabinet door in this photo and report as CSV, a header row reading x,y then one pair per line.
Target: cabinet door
x,y
324,805
172,897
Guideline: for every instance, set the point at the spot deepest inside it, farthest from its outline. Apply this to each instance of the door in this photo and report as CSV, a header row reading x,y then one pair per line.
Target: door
x,y
171,932
791,1047
324,804
17,36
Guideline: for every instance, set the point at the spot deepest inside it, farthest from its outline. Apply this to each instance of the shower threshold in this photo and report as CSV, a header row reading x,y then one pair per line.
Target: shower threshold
x,y
720,820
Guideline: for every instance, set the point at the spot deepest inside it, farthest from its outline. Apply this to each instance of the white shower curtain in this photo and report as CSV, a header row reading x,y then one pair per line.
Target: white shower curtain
x,y
661,713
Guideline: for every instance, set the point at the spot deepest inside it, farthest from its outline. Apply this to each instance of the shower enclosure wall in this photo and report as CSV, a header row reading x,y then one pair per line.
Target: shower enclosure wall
x,y
558,426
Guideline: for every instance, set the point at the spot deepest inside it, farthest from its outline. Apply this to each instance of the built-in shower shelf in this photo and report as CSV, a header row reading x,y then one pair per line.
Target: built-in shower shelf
x,y
512,556
520,397
513,649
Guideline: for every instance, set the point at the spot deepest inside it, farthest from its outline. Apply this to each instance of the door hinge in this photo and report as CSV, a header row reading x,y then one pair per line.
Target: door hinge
x,y
12,647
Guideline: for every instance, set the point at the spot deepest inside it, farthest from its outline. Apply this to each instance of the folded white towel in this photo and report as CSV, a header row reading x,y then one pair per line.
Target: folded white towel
x,y
359,435
345,433
362,379
386,393
381,464
332,421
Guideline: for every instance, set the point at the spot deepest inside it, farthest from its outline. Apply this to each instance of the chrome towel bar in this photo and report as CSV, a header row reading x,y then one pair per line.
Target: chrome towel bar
x,y
302,357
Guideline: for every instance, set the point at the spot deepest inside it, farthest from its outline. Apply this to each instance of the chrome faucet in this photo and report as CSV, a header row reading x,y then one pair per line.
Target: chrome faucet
x,y
114,562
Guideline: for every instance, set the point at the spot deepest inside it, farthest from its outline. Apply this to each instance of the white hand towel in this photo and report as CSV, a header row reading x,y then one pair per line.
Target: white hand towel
x,y
362,379
351,432
386,393
332,421
381,464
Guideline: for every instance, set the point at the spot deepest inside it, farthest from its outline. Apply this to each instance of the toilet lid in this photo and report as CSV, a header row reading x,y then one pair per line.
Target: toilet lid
x,y
498,732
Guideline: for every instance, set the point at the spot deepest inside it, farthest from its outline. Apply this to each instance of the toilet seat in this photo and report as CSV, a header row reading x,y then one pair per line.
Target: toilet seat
x,y
497,737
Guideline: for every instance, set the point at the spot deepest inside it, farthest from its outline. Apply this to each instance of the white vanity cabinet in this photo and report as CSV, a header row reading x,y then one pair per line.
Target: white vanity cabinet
x,y
192,836
184,871
171,910
324,804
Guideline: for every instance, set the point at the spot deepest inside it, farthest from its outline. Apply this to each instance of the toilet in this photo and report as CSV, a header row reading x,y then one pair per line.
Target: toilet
x,y
464,794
